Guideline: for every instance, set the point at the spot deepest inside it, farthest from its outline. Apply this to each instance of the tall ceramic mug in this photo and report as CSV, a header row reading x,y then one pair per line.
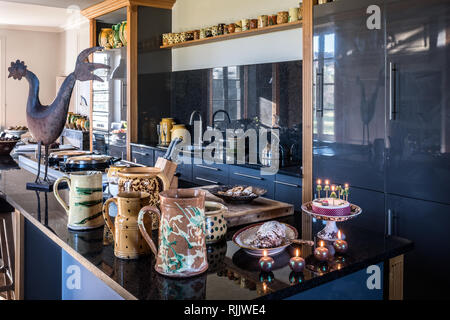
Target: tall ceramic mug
x,y
85,199
182,233
128,241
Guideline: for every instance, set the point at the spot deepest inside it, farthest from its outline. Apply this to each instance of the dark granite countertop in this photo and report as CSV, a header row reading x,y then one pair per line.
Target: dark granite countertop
x,y
232,273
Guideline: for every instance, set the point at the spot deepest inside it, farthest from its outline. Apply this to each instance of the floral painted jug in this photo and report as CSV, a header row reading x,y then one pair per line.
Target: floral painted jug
x,y
182,233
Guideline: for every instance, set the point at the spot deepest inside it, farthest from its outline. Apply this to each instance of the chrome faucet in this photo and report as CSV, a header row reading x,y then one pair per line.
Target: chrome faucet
x,y
191,123
221,111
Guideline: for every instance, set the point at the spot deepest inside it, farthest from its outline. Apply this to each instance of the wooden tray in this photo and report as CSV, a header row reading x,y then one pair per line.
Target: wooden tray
x,y
260,209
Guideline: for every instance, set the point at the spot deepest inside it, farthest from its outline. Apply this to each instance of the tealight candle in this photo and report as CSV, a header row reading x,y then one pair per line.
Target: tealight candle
x,y
340,245
321,253
326,188
319,187
266,262
297,263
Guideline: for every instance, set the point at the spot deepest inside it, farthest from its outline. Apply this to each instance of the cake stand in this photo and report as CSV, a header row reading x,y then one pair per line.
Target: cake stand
x,y
329,233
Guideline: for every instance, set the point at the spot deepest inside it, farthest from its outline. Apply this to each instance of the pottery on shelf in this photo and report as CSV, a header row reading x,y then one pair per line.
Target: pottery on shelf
x,y
106,38
282,17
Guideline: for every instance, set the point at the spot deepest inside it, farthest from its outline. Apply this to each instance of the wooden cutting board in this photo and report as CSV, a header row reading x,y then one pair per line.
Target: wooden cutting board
x,y
260,209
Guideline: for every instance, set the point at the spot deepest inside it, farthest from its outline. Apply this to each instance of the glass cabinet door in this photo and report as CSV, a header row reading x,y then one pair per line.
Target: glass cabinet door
x,y
418,133
349,93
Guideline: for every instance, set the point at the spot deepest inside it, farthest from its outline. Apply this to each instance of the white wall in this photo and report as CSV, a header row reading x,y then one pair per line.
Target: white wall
x,y
195,14
40,51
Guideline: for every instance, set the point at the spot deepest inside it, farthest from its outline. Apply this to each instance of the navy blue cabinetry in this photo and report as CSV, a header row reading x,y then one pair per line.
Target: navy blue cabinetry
x,y
207,174
142,155
184,168
288,189
117,151
426,224
248,176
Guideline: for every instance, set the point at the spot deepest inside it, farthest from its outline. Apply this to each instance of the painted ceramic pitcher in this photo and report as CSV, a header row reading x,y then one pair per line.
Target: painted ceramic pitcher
x,y
85,199
128,241
182,245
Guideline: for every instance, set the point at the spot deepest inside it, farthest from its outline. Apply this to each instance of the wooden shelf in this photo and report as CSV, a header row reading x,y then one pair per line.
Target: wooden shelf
x,y
236,35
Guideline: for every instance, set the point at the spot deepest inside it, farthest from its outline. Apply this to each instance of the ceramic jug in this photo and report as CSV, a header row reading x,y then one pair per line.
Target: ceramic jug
x,y
128,241
85,199
182,243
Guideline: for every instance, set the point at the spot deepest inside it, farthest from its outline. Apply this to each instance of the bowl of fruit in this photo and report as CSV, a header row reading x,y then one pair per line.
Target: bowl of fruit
x,y
17,131
7,144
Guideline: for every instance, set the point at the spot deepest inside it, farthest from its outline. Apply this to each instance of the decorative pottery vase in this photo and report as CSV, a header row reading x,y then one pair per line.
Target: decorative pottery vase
x,y
123,33
117,41
231,28
182,245
253,24
179,131
202,33
85,199
293,14
104,38
165,39
221,28
263,21
272,20
196,34
238,26
166,126
216,225
245,23
128,242
215,31
282,17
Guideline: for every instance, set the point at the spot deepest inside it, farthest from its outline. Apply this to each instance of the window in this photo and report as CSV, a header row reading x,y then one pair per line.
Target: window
x,y
226,95
324,54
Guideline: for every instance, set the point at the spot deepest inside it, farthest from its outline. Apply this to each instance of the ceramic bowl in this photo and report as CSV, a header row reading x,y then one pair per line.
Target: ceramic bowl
x,y
216,225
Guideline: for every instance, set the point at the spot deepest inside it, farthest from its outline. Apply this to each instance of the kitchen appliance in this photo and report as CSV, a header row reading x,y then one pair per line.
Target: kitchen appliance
x,y
88,162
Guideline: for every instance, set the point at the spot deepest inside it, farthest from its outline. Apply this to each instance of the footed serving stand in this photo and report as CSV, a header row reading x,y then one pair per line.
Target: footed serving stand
x,y
330,232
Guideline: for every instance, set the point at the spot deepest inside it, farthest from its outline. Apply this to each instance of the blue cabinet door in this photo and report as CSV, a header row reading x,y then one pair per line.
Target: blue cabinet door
x,y
142,155
349,99
252,177
426,267
289,190
418,163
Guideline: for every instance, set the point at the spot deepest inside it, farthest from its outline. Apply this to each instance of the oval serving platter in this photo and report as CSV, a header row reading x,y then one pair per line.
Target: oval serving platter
x,y
243,237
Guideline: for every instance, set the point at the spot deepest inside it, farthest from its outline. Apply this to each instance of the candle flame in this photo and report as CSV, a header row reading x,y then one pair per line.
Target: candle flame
x,y
264,286
319,181
297,253
321,243
333,187
346,185
339,235
265,253
327,181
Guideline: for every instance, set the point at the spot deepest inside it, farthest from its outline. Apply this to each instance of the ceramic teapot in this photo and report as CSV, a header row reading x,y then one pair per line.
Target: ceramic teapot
x,y
182,233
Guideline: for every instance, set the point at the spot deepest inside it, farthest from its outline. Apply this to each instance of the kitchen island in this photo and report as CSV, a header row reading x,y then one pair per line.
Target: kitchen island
x,y
56,263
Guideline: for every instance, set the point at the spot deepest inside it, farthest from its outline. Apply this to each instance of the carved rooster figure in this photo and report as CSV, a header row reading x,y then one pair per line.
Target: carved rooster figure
x,y
46,123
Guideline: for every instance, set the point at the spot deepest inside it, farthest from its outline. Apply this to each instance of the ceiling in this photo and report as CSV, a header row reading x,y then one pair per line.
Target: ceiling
x,y
83,4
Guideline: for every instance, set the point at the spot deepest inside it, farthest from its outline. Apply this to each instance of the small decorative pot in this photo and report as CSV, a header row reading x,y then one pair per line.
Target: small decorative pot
x,y
196,34
238,26
208,33
293,14
202,34
106,38
216,225
221,28
263,21
245,23
123,33
231,28
282,17
190,36
171,39
253,24
176,38
273,20
165,39
183,36
215,31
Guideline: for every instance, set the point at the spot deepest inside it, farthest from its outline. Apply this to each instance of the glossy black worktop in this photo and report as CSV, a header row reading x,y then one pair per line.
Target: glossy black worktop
x,y
232,273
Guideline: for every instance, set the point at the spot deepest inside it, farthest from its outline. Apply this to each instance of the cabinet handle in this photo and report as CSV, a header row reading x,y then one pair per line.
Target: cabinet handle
x,y
248,176
392,91
206,167
288,184
206,180
144,154
319,92
390,217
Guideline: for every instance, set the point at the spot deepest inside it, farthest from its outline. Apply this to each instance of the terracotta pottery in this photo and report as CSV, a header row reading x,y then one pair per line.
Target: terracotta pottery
x,y
293,14
196,34
238,26
253,24
104,38
231,28
221,28
85,199
165,39
128,242
273,20
216,225
182,245
263,21
245,23
202,33
282,17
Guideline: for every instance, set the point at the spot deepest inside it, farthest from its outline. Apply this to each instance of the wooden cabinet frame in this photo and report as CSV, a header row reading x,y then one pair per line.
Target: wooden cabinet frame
x,y
108,6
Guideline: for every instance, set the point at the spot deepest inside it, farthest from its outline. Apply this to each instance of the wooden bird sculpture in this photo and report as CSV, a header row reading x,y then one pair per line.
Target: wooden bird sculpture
x,y
46,123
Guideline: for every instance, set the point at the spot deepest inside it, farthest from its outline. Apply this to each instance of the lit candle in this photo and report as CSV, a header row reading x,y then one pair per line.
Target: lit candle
x,y
346,191
321,253
266,262
340,245
333,193
319,187
297,263
339,190
327,187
